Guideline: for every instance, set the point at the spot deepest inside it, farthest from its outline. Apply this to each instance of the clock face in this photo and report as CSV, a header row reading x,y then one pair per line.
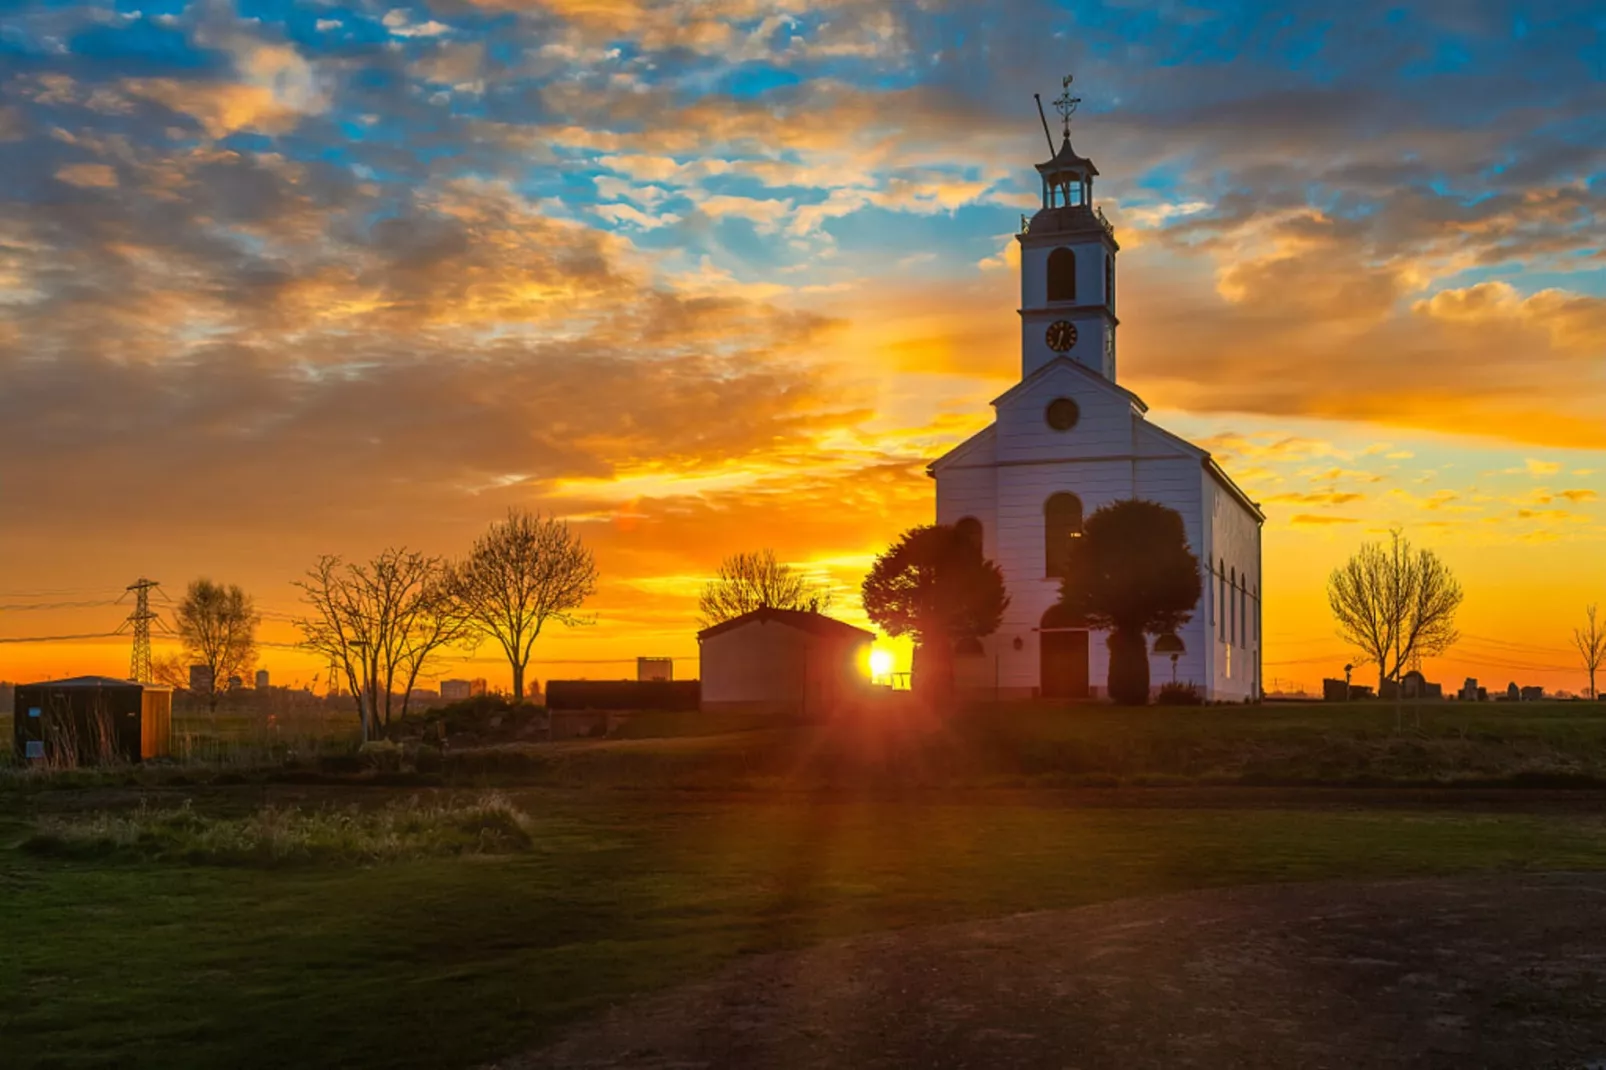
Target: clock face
x,y
1061,335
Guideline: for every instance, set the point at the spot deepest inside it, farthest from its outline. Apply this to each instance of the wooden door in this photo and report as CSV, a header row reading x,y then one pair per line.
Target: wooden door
x,y
1063,654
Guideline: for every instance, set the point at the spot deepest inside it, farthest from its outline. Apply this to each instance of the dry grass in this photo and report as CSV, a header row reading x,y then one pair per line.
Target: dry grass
x,y
486,823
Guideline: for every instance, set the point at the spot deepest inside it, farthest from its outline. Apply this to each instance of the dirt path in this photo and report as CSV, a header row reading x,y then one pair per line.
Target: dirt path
x,y
1505,971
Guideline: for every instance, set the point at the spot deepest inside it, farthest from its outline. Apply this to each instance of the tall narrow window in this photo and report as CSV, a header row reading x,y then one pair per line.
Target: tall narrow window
x,y
1062,275
1232,606
970,528
1109,280
1221,597
1062,522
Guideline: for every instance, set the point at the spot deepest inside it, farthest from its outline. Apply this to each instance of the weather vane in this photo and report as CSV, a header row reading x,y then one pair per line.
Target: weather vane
x,y
1066,104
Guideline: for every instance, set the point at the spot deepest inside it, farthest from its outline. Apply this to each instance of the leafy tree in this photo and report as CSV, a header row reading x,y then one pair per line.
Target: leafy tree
x,y
381,624
934,585
523,572
749,581
1394,603
217,627
1591,643
1131,573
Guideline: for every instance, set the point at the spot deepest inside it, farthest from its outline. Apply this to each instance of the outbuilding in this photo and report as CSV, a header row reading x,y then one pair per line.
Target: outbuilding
x,y
87,720
784,661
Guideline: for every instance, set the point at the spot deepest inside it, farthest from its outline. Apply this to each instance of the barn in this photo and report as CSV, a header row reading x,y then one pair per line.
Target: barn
x,y
87,720
784,661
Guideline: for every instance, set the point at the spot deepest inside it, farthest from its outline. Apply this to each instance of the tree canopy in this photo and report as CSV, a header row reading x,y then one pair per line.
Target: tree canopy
x,y
757,580
1131,573
217,627
524,571
1394,603
935,586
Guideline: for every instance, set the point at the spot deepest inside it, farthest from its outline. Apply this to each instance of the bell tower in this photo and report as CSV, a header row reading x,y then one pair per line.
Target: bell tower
x,y
1067,262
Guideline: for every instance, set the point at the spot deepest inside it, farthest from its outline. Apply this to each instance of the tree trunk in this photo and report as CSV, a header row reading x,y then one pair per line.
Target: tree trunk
x,y
1128,679
933,672
518,683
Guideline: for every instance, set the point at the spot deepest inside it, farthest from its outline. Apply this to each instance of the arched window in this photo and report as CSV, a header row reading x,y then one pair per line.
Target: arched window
x,y
1062,275
1243,612
970,528
1221,588
1062,522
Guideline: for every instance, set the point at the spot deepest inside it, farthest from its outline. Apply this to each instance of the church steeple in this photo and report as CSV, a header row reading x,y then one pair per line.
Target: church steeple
x,y
1067,261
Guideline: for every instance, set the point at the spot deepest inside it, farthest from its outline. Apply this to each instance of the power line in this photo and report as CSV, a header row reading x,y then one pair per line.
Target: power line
x,y
23,607
59,638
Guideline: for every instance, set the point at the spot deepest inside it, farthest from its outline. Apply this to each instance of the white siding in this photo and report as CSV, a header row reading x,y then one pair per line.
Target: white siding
x,y
1234,542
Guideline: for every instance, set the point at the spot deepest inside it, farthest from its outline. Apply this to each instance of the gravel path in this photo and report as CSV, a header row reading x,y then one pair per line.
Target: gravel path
x,y
1506,971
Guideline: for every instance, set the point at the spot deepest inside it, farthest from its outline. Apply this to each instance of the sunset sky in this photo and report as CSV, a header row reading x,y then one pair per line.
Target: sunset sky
x,y
281,279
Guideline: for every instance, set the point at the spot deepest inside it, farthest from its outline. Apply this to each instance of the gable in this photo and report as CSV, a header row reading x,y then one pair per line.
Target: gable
x,y
1103,416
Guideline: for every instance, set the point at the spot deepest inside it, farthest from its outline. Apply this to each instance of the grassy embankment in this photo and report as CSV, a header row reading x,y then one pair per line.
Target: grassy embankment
x,y
202,926
1539,744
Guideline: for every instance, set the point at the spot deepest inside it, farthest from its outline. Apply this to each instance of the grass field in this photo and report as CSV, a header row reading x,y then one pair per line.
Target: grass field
x,y
683,851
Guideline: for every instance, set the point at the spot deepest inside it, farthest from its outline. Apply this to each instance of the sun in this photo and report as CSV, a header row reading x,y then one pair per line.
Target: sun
x,y
880,663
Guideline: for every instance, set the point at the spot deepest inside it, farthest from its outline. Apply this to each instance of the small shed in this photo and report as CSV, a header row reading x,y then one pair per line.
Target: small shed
x,y
88,720
784,661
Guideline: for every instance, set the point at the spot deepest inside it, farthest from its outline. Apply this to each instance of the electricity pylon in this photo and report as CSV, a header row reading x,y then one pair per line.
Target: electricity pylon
x,y
139,665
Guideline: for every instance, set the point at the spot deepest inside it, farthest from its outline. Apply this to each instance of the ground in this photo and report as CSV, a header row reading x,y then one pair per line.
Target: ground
x,y
1487,972
656,863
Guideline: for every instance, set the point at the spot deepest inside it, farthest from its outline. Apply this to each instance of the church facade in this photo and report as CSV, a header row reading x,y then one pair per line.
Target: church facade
x,y
1067,439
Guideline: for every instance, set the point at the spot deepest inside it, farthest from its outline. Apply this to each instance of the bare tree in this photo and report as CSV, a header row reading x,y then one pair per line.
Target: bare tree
x,y
381,624
1591,643
1394,603
523,572
217,626
750,581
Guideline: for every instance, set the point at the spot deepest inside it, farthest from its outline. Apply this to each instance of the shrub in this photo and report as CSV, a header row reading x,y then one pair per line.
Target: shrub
x,y
1175,694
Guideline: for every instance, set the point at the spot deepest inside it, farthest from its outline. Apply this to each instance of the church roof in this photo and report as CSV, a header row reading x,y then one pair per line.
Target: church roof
x,y
1066,159
802,619
1080,369
959,452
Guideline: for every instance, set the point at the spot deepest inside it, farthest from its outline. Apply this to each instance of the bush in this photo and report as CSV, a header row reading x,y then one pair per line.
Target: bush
x,y
1175,694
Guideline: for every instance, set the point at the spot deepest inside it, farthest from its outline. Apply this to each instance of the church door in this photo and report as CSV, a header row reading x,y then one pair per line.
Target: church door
x,y
1063,653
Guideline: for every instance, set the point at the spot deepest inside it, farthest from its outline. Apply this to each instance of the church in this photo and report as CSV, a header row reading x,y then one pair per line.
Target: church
x,y
1067,439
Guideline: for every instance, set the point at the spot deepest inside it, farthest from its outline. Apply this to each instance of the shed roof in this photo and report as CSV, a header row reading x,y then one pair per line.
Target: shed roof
x,y
802,619
96,681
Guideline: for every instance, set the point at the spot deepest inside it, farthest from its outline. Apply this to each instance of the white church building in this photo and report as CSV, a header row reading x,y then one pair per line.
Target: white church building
x,y
1067,439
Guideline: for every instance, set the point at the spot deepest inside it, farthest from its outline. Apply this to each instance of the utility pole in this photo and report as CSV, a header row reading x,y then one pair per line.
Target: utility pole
x,y
139,665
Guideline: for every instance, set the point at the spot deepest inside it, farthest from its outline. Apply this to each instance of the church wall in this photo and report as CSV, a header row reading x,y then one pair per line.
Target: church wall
x,y
1234,543
1174,483
963,492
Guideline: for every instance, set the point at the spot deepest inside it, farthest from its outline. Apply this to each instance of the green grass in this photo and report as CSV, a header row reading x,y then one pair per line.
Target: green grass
x,y
449,961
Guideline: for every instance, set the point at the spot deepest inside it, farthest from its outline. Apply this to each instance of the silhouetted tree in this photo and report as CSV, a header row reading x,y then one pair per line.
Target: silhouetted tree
x,y
934,585
1394,603
523,572
749,581
1131,573
381,624
1591,643
217,627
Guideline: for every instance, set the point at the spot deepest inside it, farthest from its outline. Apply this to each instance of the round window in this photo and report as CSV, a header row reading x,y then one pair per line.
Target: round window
x,y
1062,414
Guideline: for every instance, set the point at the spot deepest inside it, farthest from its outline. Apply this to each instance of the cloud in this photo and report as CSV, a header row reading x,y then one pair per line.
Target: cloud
x,y
88,175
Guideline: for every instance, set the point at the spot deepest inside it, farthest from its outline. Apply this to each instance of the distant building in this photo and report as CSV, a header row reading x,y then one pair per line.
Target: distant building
x,y
458,690
423,694
1533,694
201,679
785,661
1470,691
655,668
262,680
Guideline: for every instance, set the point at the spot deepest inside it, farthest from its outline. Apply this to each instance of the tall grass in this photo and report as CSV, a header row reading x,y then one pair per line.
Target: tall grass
x,y
486,823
